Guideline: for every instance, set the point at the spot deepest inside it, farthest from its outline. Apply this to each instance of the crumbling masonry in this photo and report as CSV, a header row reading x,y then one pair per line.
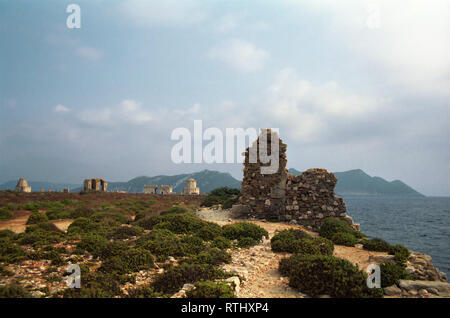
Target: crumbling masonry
x,y
95,185
305,199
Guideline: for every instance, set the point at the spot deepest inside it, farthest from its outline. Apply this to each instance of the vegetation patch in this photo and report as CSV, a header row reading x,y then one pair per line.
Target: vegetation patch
x,y
392,273
209,289
331,226
37,217
224,196
376,244
317,275
247,234
346,239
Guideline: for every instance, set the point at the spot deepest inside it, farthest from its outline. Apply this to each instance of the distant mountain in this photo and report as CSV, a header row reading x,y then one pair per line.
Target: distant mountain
x,y
207,181
357,182
36,186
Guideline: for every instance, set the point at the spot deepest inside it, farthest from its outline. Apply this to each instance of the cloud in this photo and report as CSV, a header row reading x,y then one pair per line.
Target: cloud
x,y
89,53
411,47
310,110
228,22
241,55
128,112
167,13
61,109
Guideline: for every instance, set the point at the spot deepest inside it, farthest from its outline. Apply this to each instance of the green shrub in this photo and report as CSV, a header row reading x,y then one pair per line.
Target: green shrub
x,y
224,196
37,217
125,232
317,275
285,241
10,252
246,242
142,292
221,242
13,290
7,234
92,243
186,223
98,285
212,256
30,207
110,216
400,252
130,261
175,277
41,234
391,274
67,202
376,244
331,226
192,244
82,226
209,289
111,249
175,210
345,239
5,214
237,231
162,244
44,226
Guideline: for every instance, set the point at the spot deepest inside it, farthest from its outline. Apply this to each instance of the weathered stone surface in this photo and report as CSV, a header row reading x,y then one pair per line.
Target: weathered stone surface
x,y
421,284
306,199
392,291
96,184
378,259
22,185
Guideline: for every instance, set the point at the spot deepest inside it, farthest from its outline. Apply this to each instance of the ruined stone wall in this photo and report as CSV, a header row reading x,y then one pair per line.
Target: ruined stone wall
x,y
305,199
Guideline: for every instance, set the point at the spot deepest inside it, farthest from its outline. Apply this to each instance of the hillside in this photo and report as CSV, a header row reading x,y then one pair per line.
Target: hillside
x,y
207,180
357,182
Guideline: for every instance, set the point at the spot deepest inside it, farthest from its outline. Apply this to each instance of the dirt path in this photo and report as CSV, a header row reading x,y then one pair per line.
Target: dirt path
x,y
258,265
17,223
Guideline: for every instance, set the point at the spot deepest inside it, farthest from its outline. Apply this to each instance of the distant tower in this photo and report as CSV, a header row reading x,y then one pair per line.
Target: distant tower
x,y
22,186
150,189
191,187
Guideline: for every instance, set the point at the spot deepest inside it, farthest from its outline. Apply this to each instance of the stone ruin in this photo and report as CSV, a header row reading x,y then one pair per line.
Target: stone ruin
x,y
98,185
22,186
191,187
153,189
150,189
165,189
305,199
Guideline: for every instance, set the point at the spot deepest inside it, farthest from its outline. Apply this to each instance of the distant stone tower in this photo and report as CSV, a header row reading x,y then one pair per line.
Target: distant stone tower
x,y
191,187
22,186
165,189
97,184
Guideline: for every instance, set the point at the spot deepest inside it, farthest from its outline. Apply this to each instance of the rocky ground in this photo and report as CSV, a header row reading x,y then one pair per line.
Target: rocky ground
x,y
258,265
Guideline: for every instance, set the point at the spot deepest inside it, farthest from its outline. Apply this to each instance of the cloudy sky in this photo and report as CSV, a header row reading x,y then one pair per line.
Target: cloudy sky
x,y
365,84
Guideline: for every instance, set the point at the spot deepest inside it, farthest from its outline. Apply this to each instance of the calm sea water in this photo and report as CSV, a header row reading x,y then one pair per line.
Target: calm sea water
x,y
421,224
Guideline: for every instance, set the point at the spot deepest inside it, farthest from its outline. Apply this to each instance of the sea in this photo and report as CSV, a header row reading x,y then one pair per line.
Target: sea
x,y
420,223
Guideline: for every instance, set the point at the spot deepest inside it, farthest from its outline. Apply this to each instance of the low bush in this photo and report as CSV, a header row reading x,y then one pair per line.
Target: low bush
x,y
37,217
376,244
224,196
212,256
185,223
7,234
41,234
110,216
130,261
125,232
192,244
175,210
209,289
10,252
13,290
175,277
240,230
317,275
111,249
162,243
92,243
346,239
392,273
331,226
285,241
400,252
246,242
98,285
5,214
221,243
143,292
82,226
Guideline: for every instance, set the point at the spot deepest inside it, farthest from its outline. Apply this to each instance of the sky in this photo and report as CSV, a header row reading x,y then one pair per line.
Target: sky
x,y
363,85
